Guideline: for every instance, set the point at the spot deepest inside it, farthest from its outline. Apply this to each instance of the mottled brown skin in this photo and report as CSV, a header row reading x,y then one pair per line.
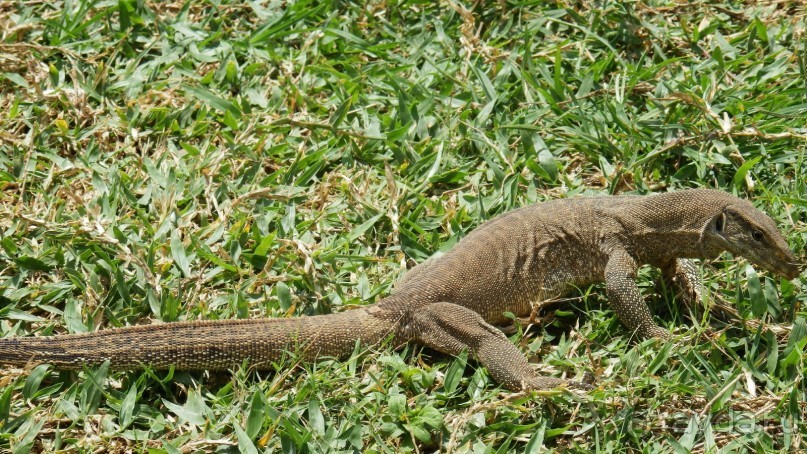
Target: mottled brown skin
x,y
452,303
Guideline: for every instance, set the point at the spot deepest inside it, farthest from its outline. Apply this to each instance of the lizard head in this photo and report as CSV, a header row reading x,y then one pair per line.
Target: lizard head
x,y
745,231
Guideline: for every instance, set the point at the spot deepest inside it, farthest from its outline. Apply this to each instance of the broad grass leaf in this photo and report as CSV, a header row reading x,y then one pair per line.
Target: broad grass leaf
x,y
179,255
758,303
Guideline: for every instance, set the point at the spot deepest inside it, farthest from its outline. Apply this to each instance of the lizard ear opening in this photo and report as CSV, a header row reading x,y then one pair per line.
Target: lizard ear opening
x,y
720,222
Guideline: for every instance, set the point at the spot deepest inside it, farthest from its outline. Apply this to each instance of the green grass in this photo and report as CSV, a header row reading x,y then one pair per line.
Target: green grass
x,y
214,160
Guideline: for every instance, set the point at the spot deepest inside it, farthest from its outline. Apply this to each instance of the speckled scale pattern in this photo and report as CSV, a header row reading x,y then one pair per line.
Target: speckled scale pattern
x,y
451,303
201,345
684,274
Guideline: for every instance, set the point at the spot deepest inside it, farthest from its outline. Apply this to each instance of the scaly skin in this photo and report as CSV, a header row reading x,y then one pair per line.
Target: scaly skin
x,y
452,303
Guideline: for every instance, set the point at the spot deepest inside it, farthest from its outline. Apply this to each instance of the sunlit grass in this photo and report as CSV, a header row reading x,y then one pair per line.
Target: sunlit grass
x,y
175,161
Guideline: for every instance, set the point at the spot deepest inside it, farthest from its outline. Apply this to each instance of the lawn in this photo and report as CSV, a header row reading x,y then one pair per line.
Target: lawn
x,y
165,161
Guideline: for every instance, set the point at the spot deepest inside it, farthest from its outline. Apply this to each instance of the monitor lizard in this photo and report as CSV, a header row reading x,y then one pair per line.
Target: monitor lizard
x,y
453,303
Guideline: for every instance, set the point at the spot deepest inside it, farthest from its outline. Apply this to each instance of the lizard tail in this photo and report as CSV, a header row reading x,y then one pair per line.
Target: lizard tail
x,y
203,345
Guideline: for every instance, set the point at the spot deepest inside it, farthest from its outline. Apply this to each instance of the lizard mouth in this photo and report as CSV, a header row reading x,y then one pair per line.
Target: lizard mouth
x,y
792,271
789,270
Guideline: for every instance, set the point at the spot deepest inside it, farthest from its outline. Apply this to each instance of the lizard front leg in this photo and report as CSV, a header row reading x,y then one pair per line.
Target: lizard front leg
x,y
451,328
626,299
683,274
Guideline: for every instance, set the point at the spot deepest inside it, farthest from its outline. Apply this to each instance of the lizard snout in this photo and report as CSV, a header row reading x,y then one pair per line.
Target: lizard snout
x,y
781,262
791,270
785,264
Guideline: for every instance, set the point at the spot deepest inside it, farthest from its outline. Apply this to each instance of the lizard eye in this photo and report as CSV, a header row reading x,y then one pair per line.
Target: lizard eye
x,y
757,235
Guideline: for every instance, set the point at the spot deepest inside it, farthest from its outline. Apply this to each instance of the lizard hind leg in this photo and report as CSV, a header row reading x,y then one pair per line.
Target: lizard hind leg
x,y
451,328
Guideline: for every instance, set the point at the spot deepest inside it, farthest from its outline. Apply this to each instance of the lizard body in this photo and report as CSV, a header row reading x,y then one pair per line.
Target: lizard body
x,y
452,303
